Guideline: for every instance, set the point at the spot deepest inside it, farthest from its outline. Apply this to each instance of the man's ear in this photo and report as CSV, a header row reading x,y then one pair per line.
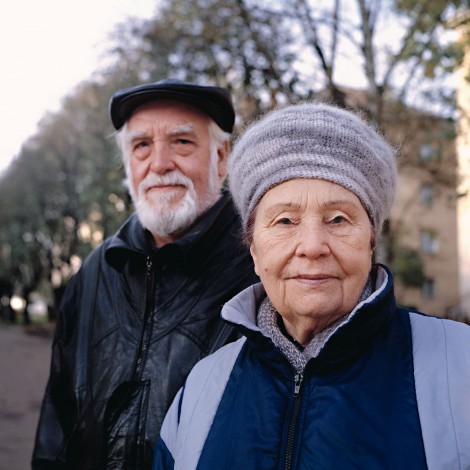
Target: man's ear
x,y
255,259
223,152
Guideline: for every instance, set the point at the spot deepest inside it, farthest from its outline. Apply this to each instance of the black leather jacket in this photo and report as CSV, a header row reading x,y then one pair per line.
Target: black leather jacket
x,y
133,322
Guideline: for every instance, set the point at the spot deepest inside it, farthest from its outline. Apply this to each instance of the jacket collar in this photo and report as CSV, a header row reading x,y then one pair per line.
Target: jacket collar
x,y
132,239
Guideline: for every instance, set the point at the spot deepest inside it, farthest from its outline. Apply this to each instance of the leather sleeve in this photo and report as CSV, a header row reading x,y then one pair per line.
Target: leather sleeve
x,y
58,413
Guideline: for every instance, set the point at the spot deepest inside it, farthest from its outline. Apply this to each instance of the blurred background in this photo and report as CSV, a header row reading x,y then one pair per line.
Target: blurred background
x,y
405,64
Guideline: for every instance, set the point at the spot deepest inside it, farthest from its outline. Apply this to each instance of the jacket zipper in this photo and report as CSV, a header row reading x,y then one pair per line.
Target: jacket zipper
x,y
147,320
298,378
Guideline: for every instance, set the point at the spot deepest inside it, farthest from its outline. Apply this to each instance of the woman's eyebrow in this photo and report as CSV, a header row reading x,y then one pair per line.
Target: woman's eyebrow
x,y
283,205
339,203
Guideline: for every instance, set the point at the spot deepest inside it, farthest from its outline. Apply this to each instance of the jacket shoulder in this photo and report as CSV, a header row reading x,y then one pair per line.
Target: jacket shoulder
x,y
441,356
190,418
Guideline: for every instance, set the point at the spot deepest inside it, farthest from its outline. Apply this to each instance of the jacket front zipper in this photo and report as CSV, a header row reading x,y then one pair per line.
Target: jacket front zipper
x,y
147,320
298,378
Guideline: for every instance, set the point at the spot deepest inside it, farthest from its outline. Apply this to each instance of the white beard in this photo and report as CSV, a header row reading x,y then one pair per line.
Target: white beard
x,y
160,215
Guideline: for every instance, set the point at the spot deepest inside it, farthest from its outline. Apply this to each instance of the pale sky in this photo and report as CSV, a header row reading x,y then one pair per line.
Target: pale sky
x,y
46,48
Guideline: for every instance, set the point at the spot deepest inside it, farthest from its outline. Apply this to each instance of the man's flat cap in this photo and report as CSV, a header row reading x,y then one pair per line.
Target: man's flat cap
x,y
216,102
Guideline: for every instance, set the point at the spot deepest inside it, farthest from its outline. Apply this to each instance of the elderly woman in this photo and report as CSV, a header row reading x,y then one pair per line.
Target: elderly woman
x,y
330,373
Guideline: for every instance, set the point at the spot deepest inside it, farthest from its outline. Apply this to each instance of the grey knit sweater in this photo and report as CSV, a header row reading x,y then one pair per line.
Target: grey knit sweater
x,y
298,357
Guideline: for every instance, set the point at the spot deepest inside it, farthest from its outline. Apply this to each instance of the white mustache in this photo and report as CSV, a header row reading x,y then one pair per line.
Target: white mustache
x,y
175,178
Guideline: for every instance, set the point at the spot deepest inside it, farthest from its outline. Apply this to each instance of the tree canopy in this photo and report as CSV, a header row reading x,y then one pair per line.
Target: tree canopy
x,y
63,194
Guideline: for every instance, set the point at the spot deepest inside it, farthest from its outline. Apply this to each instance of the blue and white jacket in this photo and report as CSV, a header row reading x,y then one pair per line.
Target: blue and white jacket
x,y
389,390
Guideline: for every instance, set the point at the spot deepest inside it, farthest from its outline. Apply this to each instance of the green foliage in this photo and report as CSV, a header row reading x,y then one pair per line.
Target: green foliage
x,y
244,46
429,19
67,182
407,265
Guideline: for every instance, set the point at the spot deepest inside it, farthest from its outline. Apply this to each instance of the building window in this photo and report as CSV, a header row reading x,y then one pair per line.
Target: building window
x,y
427,194
428,290
429,242
428,152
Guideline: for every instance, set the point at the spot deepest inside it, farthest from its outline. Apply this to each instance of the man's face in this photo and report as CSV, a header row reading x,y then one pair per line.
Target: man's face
x,y
173,174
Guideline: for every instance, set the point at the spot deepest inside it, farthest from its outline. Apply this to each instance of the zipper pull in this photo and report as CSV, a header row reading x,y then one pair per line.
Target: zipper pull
x,y
149,265
297,383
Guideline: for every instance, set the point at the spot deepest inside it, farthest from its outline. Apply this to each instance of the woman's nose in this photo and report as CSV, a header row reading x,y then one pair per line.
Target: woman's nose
x,y
313,241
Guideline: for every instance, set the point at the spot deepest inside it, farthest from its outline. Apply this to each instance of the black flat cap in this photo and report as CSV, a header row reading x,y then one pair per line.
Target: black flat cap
x,y
216,102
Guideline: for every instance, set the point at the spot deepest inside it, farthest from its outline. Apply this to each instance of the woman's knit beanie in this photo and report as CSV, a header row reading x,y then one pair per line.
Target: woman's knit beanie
x,y
313,140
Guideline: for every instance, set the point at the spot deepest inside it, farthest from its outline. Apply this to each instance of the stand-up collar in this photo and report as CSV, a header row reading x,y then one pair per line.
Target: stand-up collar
x,y
365,322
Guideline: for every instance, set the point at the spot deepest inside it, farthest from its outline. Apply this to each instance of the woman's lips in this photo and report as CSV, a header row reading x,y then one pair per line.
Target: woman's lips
x,y
313,279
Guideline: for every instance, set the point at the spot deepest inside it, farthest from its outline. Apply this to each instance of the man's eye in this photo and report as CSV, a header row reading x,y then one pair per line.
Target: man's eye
x,y
184,141
142,144
284,221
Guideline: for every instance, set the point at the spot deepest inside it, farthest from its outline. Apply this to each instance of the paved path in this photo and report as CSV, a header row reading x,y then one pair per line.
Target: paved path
x,y
24,367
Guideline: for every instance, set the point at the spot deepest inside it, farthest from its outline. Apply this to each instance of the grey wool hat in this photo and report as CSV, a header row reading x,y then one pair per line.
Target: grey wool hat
x,y
313,140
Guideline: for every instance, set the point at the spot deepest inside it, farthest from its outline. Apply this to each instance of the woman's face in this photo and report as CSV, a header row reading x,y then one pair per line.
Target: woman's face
x,y
312,250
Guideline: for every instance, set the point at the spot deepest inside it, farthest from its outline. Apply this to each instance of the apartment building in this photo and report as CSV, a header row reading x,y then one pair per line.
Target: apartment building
x,y
420,240
423,221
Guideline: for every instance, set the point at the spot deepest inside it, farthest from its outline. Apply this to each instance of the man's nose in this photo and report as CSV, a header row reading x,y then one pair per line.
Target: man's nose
x,y
162,159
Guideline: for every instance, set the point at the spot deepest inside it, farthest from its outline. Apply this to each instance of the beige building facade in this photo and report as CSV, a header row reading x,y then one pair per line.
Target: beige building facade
x,y
425,217
423,221
420,239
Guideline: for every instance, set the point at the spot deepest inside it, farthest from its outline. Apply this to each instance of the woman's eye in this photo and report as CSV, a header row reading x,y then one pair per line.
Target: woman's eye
x,y
338,219
284,221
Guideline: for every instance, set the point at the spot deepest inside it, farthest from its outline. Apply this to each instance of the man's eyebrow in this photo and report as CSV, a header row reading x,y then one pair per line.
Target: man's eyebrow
x,y
183,129
177,130
133,135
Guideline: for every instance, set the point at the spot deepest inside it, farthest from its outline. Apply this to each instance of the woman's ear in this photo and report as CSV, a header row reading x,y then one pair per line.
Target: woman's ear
x,y
255,259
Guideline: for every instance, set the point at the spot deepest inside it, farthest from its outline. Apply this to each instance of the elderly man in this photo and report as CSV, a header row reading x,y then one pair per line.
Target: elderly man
x,y
144,308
